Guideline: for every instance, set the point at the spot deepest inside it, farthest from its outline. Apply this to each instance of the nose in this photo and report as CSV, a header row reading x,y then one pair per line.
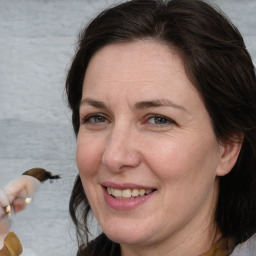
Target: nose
x,y
121,151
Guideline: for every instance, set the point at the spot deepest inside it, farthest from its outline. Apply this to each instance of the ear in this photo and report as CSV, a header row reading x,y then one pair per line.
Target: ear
x,y
229,152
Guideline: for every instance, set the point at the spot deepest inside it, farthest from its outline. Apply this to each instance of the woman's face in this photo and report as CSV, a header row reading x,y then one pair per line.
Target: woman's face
x,y
146,150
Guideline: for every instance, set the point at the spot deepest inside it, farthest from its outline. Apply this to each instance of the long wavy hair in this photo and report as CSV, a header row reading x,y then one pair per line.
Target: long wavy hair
x,y
219,66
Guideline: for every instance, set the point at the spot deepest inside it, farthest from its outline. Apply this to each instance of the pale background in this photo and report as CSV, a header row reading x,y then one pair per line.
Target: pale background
x,y
37,40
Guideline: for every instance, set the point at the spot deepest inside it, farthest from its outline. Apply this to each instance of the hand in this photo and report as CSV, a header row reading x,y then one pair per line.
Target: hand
x,y
20,191
4,220
15,197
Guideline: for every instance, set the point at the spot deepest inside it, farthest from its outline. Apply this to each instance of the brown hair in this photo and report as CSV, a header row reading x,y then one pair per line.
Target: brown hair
x,y
219,66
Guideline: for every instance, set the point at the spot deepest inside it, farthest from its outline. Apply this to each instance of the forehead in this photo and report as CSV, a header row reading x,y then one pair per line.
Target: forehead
x,y
137,52
141,70
137,59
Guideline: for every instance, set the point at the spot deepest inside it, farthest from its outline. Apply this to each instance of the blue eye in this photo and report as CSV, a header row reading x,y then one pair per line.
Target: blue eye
x,y
159,120
97,119
94,118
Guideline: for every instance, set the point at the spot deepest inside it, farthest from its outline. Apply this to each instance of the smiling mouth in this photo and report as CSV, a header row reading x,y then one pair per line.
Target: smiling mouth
x,y
125,194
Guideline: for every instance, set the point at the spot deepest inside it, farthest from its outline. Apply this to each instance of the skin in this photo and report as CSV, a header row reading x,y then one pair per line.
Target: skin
x,y
14,196
121,140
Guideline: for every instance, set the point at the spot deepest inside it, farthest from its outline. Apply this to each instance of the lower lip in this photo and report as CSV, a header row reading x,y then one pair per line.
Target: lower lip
x,y
125,204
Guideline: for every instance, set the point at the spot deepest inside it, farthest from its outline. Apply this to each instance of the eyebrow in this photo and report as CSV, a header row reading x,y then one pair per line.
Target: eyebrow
x,y
93,103
158,103
138,106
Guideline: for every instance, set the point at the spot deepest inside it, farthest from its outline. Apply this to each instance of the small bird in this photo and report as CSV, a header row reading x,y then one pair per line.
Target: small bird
x,y
40,174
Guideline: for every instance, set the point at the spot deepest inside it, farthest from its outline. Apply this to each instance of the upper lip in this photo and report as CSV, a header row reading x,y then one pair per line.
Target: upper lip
x,y
125,185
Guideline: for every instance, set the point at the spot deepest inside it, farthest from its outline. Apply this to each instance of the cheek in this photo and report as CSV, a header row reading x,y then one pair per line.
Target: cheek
x,y
88,159
88,156
166,158
182,159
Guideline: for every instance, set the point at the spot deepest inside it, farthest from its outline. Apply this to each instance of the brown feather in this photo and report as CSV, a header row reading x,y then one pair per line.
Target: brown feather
x,y
40,174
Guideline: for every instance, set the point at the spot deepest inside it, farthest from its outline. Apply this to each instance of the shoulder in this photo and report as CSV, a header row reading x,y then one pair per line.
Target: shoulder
x,y
247,248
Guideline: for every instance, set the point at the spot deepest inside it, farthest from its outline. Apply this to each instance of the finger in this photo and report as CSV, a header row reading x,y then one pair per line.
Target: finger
x,y
4,225
25,186
15,188
4,201
18,205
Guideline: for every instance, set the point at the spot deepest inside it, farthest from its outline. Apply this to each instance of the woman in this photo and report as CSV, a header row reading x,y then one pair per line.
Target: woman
x,y
163,100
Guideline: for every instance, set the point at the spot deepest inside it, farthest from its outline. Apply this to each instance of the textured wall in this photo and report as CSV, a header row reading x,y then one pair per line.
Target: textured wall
x,y
37,39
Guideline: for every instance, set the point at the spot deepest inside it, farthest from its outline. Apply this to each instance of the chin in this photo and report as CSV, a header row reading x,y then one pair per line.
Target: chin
x,y
128,239
129,235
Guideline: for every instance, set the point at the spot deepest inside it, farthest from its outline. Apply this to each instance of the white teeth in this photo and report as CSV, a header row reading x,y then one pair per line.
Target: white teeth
x,y
128,193
142,192
135,192
117,192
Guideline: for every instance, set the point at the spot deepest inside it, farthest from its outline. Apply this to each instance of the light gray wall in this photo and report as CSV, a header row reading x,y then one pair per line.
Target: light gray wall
x,y
37,39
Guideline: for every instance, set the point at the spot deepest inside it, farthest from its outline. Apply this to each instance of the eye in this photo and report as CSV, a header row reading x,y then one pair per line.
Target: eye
x,y
159,120
94,119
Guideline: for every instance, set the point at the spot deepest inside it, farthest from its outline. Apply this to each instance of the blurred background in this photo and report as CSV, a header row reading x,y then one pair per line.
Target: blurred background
x,y
37,42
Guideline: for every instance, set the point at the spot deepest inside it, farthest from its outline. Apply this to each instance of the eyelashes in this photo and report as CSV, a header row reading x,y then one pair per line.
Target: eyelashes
x,y
99,120
96,119
155,119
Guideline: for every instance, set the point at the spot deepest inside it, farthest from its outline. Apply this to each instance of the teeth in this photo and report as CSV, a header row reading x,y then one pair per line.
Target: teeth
x,y
116,192
142,192
135,192
128,193
148,191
